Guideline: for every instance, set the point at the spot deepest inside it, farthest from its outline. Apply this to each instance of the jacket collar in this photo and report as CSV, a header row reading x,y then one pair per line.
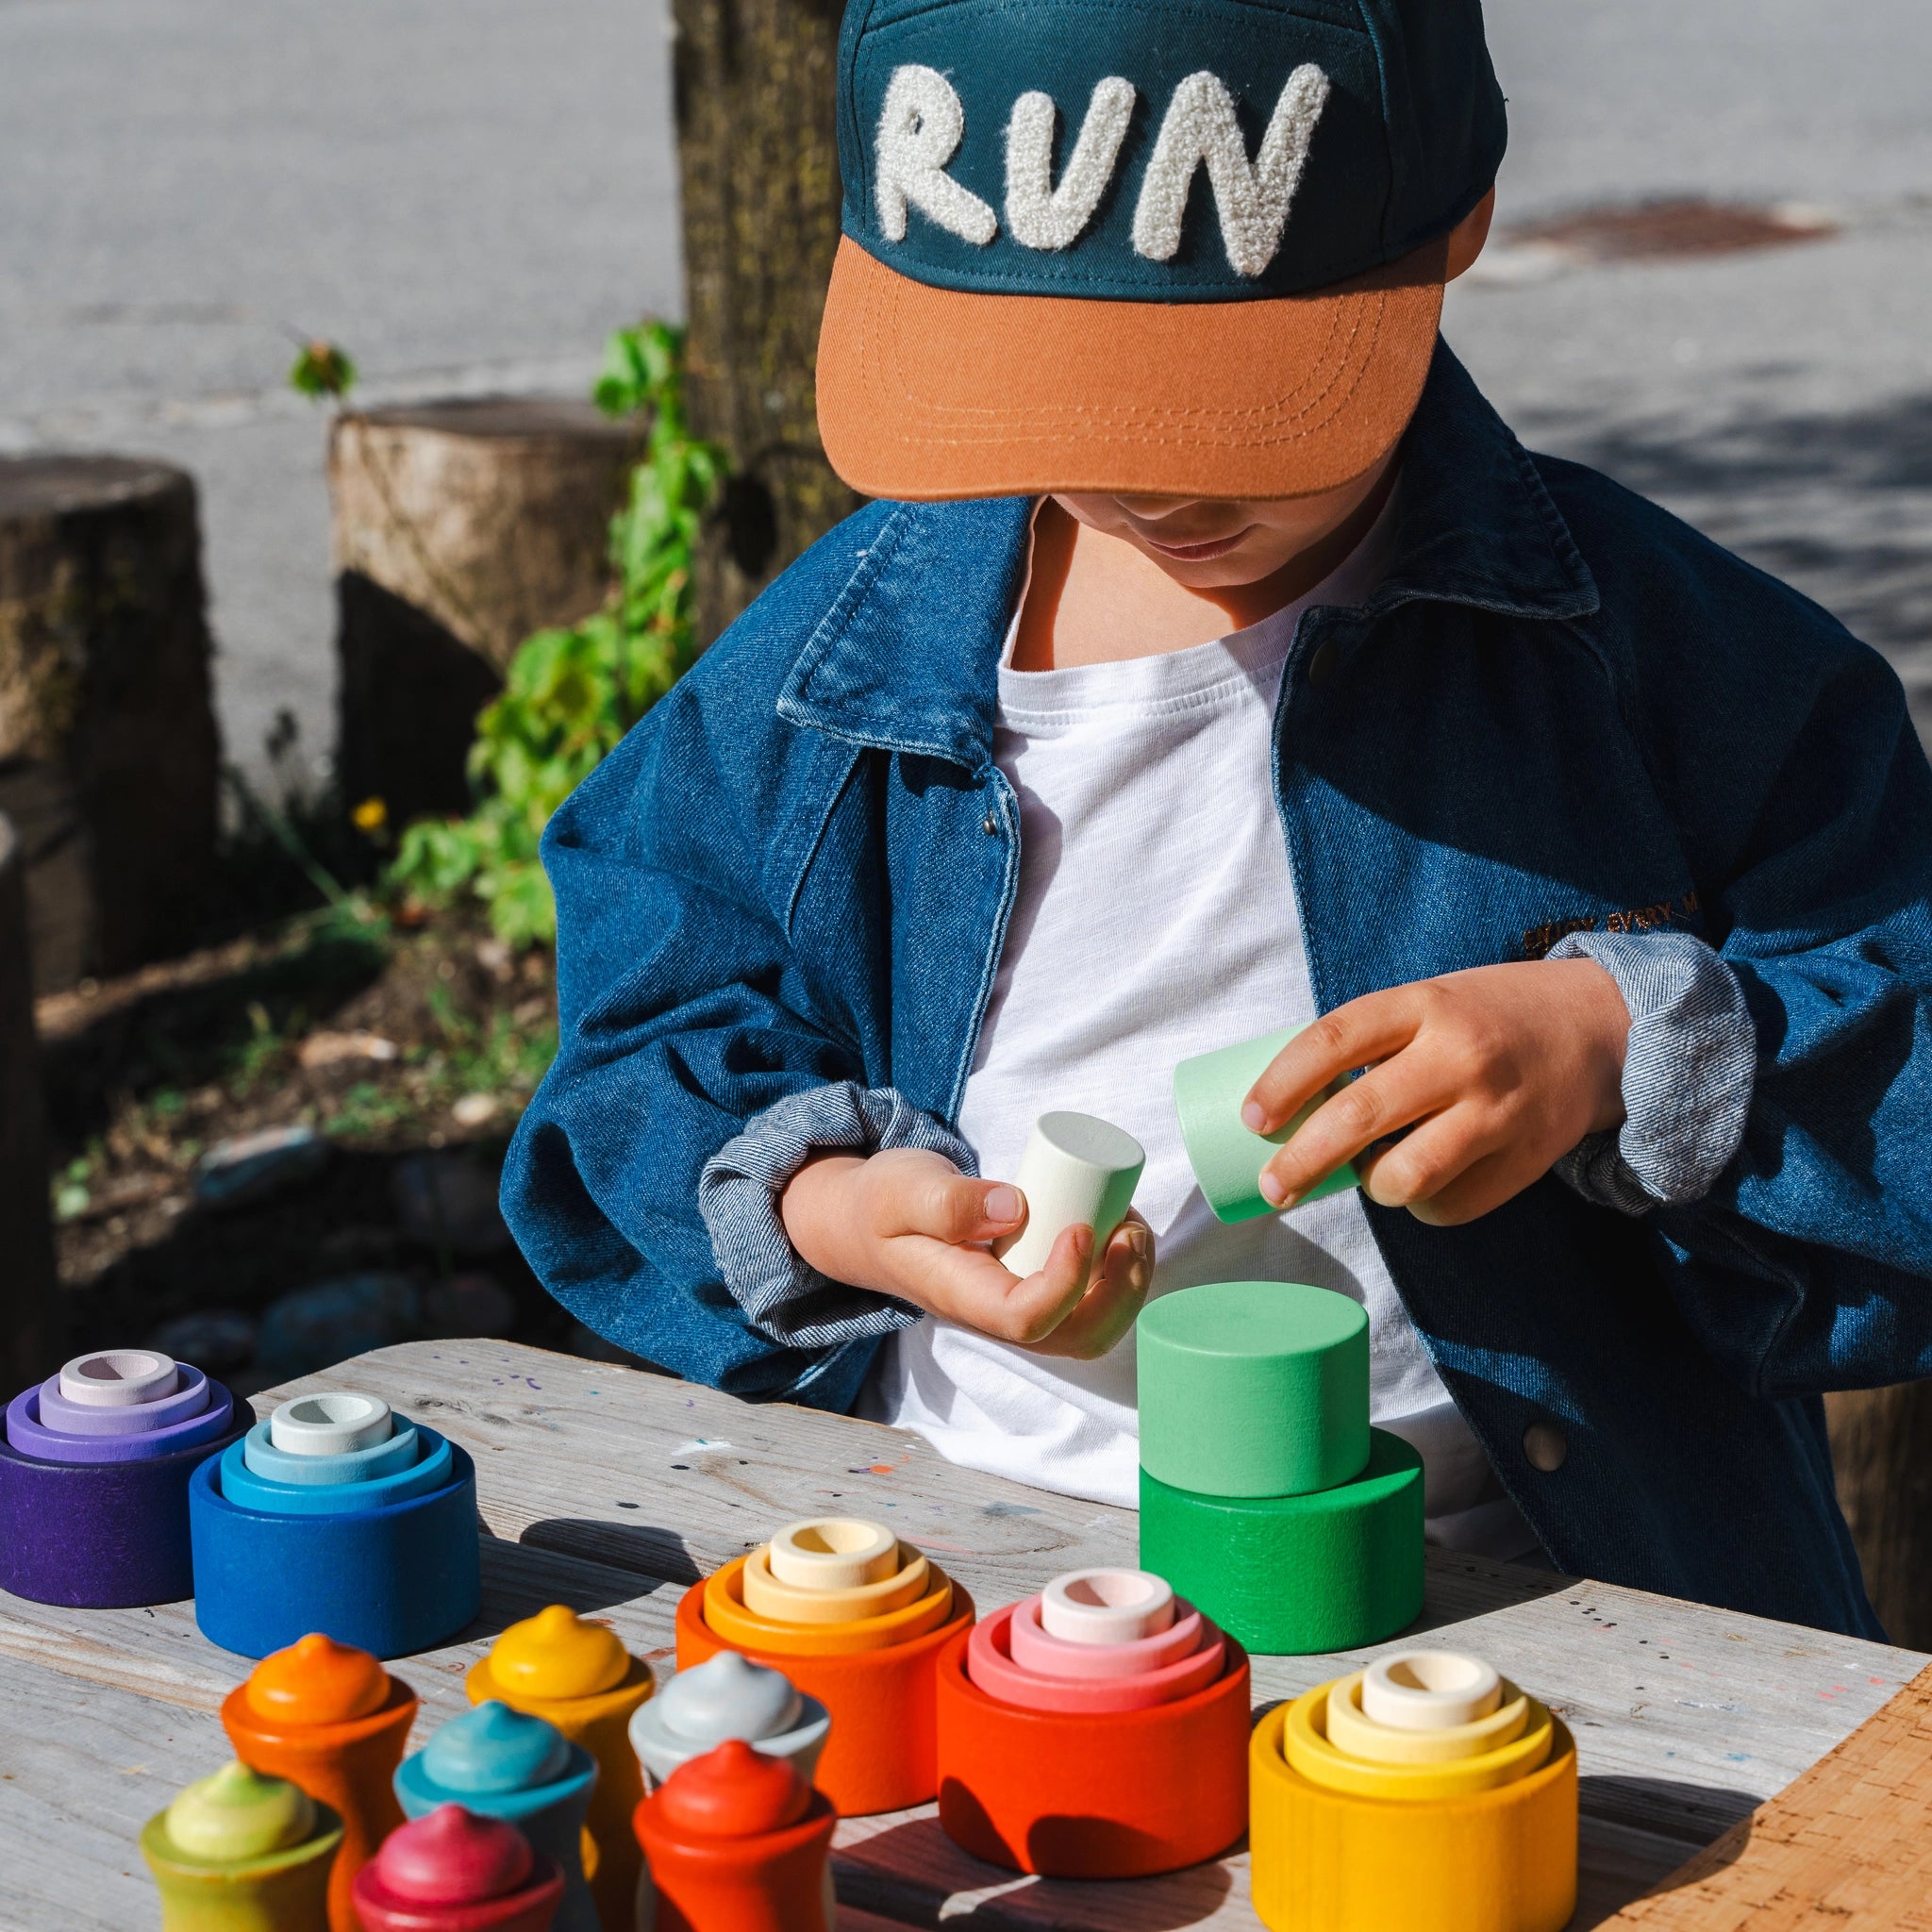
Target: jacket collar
x,y
907,659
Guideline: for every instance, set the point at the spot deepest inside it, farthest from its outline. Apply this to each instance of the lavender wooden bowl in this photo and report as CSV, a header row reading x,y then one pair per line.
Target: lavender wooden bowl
x,y
110,1531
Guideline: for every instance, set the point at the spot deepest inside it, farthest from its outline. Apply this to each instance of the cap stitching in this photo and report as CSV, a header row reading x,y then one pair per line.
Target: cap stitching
x,y
1108,422
1205,415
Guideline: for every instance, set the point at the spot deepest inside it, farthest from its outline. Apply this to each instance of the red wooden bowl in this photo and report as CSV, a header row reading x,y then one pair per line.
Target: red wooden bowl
x,y
1115,1795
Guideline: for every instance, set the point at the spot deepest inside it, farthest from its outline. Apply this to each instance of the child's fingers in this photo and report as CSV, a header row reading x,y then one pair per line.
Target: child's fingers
x,y
1425,1163
1403,1089
1032,1310
935,1200
1481,1186
1105,1312
968,1286
1357,1035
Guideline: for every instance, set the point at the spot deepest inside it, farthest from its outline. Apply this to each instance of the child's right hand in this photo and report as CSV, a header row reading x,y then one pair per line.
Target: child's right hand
x,y
908,1223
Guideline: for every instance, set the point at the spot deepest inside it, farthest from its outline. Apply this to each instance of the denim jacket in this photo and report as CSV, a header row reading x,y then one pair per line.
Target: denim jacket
x,y
1563,719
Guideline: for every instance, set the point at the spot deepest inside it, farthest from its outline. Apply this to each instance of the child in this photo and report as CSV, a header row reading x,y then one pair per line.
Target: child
x,y
1217,662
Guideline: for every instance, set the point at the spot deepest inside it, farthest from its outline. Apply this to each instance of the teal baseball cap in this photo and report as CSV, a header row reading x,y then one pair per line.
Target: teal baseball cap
x,y
1175,247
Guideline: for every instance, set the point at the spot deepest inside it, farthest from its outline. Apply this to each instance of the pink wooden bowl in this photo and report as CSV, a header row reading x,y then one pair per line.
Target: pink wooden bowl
x,y
990,1665
1038,1650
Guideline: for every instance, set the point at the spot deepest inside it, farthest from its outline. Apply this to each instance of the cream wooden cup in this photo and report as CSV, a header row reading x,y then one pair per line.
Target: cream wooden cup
x,y
834,1553
1077,1172
1429,1690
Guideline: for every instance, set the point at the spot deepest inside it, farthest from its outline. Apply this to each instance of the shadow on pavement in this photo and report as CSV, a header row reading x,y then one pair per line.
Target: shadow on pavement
x,y
1837,505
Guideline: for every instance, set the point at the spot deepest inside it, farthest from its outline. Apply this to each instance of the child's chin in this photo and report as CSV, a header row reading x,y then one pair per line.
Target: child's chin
x,y
1232,571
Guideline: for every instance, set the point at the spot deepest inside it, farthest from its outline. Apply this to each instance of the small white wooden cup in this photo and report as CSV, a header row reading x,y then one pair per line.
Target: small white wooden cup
x,y
1076,1171
1106,1606
119,1378
336,1424
1429,1690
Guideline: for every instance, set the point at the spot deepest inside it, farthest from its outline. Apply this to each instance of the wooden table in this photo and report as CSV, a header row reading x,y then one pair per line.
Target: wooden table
x,y
609,1490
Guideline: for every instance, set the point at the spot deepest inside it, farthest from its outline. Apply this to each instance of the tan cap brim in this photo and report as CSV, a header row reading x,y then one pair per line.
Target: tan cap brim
x,y
930,393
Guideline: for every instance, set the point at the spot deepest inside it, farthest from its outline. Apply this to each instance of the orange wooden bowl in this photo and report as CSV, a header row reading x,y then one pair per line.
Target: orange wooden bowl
x,y
1117,1794
882,1752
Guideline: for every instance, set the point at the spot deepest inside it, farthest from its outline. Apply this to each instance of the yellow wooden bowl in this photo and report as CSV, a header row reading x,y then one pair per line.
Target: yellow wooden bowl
x,y
729,1619
1500,1860
785,1603
1308,1750
1354,1734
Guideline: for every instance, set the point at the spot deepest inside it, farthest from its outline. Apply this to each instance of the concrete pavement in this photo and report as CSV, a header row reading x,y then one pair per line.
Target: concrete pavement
x,y
1781,400
467,193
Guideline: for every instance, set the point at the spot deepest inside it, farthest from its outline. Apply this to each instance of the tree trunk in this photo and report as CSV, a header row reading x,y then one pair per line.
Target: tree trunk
x,y
29,1343
459,527
1881,1447
757,146
108,754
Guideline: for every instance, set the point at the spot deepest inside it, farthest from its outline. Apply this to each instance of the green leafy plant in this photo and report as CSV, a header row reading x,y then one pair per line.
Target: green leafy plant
x,y
323,369
571,693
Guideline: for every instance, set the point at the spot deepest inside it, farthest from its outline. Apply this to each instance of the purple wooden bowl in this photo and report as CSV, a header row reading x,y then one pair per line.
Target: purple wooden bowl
x,y
60,1416
105,1534
29,1434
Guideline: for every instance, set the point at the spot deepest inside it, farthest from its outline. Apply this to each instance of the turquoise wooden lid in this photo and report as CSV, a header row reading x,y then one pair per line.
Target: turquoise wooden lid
x,y
1254,1389
1227,1161
497,1761
494,1748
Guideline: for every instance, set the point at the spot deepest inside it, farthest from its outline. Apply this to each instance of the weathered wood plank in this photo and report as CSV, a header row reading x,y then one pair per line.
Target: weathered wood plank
x,y
1848,1845
670,1480
608,1489
643,1474
82,1766
162,1655
107,1713
907,1866
1681,1712
1687,1716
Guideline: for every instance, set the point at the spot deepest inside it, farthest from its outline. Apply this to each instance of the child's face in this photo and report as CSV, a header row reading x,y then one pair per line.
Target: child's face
x,y
1208,544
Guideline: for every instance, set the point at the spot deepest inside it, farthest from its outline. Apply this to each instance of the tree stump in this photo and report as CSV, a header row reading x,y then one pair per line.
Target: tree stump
x,y
109,753
30,1342
1881,1448
459,527
759,154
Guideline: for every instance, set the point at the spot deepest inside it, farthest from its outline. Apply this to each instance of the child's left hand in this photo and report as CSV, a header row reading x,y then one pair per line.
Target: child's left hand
x,y
1497,1073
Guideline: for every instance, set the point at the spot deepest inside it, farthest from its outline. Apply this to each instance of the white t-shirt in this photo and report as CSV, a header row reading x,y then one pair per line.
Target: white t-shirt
x,y
1156,919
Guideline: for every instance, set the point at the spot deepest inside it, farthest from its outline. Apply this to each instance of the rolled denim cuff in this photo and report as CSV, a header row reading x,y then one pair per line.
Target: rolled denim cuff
x,y
1688,1072
784,1297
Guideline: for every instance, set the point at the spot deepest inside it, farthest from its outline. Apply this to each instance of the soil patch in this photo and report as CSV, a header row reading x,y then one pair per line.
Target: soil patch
x,y
397,1045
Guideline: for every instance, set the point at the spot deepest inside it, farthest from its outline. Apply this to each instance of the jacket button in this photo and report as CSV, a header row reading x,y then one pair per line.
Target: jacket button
x,y
1546,1447
988,824
1322,665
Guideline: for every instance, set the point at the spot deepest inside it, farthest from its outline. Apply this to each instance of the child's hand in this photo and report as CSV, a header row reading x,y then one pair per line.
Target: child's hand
x,y
906,1222
1497,1073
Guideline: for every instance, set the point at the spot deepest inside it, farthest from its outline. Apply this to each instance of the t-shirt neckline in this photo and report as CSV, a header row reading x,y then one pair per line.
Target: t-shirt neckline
x,y
1244,659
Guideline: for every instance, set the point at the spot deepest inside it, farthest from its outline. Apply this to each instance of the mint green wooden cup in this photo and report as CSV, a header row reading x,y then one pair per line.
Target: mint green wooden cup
x,y
1228,1160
